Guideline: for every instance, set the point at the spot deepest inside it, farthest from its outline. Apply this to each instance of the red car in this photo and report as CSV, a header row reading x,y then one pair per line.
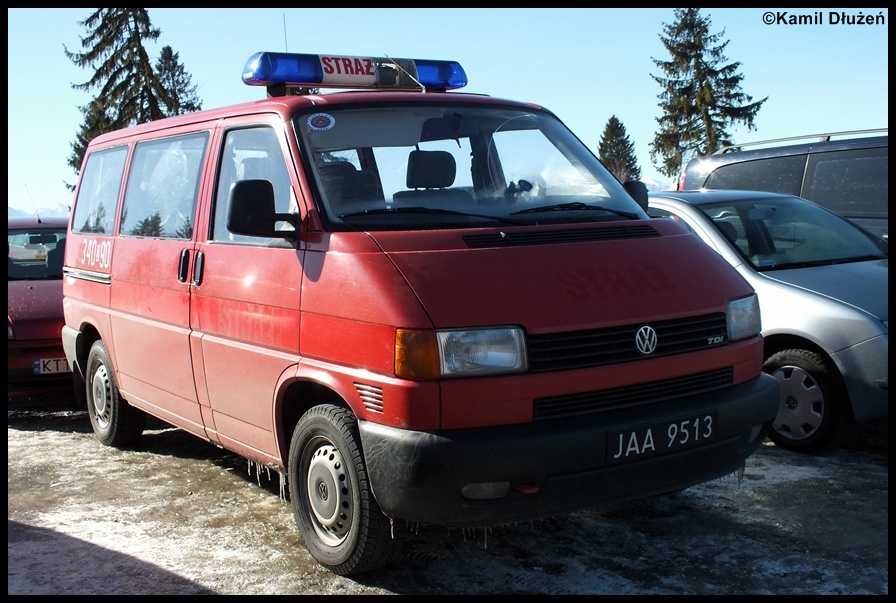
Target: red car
x,y
36,363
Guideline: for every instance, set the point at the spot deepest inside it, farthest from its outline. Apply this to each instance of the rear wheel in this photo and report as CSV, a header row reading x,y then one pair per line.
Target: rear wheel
x,y
333,503
115,422
814,410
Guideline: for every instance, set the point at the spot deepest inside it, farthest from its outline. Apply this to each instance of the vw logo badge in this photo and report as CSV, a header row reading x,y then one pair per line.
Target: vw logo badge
x,y
645,340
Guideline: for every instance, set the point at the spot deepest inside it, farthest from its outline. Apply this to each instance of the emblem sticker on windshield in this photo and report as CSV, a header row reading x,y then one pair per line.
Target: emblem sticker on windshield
x,y
320,122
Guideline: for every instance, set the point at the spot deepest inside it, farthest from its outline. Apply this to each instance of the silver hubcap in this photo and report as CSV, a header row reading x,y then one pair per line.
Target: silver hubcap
x,y
329,495
802,404
101,396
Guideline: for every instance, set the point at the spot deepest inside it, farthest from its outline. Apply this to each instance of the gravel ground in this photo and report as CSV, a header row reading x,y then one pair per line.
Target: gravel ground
x,y
179,516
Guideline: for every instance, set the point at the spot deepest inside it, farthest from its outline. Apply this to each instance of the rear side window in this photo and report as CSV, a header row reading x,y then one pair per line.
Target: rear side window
x,y
163,185
98,191
852,183
776,174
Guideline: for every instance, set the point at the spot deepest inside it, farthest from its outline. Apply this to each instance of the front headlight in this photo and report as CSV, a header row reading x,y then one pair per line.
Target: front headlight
x,y
459,352
743,318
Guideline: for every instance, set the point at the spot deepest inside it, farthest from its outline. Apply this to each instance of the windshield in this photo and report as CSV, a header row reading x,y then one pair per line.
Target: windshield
x,y
437,166
790,233
35,253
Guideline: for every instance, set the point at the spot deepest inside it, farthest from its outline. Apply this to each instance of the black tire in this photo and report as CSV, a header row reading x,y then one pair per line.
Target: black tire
x,y
814,413
115,422
332,500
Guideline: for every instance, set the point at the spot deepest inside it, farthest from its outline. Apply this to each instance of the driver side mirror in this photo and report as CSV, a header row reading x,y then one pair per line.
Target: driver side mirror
x,y
251,211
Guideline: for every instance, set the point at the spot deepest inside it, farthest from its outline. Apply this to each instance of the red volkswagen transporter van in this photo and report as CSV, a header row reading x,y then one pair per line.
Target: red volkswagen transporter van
x,y
414,305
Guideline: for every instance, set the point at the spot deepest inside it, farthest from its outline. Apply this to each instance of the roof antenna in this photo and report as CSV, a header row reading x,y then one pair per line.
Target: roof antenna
x,y
397,66
285,42
34,207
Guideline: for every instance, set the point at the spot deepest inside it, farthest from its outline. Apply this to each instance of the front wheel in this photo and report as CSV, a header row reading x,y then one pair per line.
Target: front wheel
x,y
115,422
814,411
333,503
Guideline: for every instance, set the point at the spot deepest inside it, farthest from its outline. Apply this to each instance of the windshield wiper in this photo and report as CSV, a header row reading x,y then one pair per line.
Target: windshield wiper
x,y
576,206
426,210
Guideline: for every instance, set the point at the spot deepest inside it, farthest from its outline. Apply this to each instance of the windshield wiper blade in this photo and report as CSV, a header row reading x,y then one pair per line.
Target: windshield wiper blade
x,y
576,206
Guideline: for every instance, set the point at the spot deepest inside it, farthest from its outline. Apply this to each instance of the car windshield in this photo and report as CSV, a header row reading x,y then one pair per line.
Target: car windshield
x,y
451,166
35,253
790,233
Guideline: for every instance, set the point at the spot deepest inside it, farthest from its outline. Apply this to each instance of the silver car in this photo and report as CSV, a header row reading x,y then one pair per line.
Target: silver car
x,y
822,286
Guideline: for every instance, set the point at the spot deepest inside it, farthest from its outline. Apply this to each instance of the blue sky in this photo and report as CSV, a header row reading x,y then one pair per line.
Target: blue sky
x,y
586,65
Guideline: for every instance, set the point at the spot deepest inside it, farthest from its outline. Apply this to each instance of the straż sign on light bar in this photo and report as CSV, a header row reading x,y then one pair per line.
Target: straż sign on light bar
x,y
358,71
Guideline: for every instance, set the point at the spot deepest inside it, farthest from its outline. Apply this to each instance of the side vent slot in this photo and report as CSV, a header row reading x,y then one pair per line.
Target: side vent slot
x,y
371,396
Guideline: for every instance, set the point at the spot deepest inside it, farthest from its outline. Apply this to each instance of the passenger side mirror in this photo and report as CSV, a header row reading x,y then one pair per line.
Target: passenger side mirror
x,y
638,191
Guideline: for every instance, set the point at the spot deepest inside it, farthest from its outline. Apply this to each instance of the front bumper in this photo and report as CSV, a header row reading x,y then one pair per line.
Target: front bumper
x,y
556,466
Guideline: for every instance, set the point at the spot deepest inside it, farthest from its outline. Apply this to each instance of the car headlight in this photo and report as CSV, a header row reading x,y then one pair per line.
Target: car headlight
x,y
743,318
459,352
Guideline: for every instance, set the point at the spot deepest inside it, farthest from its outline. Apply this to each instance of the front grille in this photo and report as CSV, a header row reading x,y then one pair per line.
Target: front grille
x,y
640,393
581,349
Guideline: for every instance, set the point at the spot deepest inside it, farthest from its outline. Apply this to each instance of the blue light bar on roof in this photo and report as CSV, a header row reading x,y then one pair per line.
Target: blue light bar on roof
x,y
331,71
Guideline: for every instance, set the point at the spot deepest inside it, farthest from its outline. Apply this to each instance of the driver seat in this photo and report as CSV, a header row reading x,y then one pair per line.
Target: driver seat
x,y
430,175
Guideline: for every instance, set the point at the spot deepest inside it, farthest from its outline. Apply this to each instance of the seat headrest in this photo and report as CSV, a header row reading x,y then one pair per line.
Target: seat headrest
x,y
254,168
56,256
368,185
431,169
339,179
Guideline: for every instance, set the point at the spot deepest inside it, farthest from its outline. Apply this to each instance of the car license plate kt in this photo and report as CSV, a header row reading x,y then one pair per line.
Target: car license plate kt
x,y
50,366
660,438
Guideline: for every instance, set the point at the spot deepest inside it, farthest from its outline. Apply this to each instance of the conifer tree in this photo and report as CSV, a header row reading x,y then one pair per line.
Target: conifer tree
x,y
128,88
702,95
96,121
617,152
180,95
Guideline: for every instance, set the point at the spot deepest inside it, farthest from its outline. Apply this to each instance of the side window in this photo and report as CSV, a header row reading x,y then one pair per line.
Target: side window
x,y
776,174
850,183
98,191
163,184
251,154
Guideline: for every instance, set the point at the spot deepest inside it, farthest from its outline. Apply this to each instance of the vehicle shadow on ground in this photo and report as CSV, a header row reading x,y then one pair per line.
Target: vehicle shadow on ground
x,y
873,438
41,547
159,438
